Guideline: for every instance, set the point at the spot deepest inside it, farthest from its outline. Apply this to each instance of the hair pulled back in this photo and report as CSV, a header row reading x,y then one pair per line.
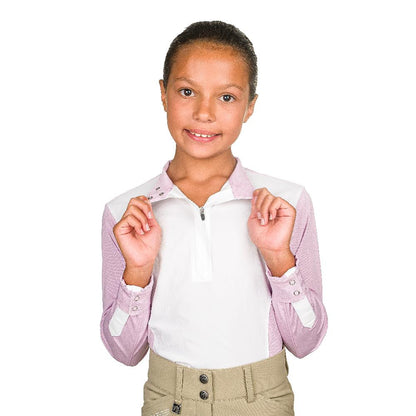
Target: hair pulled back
x,y
220,33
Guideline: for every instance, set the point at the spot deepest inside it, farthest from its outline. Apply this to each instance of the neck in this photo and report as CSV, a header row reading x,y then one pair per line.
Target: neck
x,y
183,167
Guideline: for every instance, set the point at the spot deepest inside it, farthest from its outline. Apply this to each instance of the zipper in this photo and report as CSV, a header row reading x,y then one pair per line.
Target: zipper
x,y
201,209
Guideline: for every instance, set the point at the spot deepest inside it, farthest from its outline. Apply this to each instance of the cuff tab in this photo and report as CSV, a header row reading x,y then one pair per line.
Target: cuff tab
x,y
117,322
305,312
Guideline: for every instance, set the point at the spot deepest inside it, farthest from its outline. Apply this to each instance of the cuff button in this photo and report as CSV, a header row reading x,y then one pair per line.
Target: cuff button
x,y
292,282
296,292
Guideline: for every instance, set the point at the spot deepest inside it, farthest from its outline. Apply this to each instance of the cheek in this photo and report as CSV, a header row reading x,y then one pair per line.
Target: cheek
x,y
175,112
233,117
178,106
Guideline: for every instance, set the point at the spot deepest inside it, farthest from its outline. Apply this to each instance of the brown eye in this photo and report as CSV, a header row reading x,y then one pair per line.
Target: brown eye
x,y
186,92
228,98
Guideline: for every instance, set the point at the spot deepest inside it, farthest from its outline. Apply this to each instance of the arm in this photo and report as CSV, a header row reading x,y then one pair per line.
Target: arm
x,y
297,294
126,310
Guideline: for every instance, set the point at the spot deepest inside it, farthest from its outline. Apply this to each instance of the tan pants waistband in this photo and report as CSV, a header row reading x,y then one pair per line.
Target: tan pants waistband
x,y
219,384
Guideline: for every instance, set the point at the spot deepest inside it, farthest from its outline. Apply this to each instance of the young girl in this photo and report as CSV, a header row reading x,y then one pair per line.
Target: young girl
x,y
213,266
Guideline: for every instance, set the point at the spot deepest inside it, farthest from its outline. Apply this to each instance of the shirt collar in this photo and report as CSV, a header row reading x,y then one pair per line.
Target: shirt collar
x,y
239,182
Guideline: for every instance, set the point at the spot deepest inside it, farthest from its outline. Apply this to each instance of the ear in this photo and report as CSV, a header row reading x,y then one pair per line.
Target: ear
x,y
250,108
163,94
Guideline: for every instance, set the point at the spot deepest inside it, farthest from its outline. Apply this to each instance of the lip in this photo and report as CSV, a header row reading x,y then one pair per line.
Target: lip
x,y
202,139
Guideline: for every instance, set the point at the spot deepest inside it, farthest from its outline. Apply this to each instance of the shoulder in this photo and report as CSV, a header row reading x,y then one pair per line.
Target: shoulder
x,y
292,192
118,205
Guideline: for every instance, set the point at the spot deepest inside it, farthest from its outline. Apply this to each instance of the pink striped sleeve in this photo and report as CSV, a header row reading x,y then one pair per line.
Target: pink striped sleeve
x,y
126,313
297,295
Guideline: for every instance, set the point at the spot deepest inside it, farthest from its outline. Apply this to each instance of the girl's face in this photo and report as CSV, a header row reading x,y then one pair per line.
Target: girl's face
x,y
207,94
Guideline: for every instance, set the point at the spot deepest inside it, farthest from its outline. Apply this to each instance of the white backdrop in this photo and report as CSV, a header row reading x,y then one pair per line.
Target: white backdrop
x,y
82,122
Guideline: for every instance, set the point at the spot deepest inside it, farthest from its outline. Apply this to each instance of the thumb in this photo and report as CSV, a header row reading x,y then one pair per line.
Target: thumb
x,y
152,221
253,213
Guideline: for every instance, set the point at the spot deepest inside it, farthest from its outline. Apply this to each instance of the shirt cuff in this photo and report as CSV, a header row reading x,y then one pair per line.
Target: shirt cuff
x,y
134,288
287,288
133,301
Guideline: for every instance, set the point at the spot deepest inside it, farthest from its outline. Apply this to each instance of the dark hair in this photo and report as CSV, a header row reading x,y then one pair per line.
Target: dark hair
x,y
220,33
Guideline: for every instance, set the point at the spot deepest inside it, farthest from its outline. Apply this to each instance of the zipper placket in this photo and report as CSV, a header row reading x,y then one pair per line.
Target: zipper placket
x,y
201,209
205,263
202,213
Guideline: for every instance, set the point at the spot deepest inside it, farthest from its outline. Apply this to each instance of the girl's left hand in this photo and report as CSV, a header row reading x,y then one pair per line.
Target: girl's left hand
x,y
279,219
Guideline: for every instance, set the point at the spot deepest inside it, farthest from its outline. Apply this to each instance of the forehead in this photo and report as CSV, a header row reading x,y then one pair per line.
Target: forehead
x,y
209,60
208,45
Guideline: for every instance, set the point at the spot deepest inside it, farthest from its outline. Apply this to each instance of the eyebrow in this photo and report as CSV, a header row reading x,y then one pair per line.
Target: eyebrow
x,y
223,86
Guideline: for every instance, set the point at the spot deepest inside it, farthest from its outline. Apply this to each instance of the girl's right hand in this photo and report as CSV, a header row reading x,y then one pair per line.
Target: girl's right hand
x,y
138,244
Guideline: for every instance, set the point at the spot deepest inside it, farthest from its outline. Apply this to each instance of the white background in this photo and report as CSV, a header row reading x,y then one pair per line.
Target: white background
x,y
82,122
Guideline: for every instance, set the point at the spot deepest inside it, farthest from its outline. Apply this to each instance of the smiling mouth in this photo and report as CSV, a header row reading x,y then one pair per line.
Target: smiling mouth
x,y
202,134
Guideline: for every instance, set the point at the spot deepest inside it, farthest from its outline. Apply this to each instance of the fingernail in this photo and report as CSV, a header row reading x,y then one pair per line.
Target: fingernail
x,y
147,227
149,214
262,221
271,217
258,215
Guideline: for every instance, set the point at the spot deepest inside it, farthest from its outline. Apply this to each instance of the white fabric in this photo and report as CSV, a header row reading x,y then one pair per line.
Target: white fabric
x,y
117,322
212,268
135,288
305,312
290,271
218,275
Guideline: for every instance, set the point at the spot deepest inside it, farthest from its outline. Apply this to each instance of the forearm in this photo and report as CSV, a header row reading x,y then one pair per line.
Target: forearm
x,y
299,312
124,325
138,276
297,294
278,262
126,312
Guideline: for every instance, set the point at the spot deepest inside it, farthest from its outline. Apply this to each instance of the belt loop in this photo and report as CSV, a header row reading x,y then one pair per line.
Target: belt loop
x,y
249,383
176,408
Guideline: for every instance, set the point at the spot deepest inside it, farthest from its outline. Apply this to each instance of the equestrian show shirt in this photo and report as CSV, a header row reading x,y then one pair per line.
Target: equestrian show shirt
x,y
211,301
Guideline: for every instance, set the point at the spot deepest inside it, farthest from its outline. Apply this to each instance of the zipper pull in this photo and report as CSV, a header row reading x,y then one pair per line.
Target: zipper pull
x,y
202,213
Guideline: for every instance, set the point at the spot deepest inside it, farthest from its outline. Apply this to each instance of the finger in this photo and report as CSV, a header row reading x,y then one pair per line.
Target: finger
x,y
264,208
253,212
272,213
139,214
281,207
143,203
142,198
256,202
149,212
132,222
145,199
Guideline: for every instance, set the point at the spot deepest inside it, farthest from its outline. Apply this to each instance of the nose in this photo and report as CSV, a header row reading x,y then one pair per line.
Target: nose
x,y
204,110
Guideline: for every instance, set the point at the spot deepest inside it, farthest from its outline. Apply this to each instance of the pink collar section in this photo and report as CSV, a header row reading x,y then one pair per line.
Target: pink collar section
x,y
238,180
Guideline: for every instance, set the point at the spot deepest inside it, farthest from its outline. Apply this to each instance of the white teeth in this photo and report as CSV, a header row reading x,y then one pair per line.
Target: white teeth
x,y
202,135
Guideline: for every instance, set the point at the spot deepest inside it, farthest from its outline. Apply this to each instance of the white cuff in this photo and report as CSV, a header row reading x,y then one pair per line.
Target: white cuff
x,y
134,288
290,271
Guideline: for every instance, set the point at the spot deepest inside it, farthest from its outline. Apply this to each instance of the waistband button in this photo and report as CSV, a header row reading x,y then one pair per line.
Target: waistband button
x,y
203,394
203,378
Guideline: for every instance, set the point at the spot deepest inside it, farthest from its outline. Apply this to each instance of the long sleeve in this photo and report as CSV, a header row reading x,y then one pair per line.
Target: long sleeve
x,y
297,295
126,311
